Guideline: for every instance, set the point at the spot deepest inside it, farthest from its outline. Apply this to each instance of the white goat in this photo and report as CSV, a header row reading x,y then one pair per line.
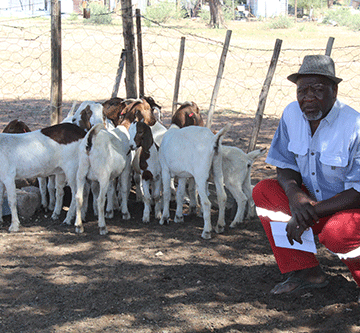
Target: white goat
x,y
146,163
237,172
88,114
41,153
192,152
103,156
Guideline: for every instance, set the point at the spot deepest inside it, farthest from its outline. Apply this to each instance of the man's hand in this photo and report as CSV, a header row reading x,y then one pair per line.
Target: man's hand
x,y
302,208
294,231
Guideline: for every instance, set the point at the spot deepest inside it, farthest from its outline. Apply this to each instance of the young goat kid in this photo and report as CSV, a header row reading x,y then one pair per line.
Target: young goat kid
x,y
146,163
192,152
237,178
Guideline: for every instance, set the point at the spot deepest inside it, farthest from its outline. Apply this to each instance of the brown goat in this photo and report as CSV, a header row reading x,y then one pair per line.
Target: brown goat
x,y
151,102
138,110
16,126
188,114
112,109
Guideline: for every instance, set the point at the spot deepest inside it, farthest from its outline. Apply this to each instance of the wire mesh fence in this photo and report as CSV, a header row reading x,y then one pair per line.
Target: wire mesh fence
x,y
91,54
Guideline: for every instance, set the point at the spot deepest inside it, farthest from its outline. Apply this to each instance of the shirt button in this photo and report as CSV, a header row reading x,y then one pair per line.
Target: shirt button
x,y
317,191
313,173
312,153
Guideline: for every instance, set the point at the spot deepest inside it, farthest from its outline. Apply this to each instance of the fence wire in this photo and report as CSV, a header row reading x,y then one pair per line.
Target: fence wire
x,y
91,54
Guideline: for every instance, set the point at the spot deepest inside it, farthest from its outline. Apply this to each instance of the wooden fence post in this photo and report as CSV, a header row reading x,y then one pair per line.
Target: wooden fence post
x,y
56,72
263,96
329,46
218,80
140,53
178,75
118,75
129,45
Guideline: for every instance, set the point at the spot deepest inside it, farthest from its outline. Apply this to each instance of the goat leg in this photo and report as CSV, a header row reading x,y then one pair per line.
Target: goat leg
x,y
179,217
11,194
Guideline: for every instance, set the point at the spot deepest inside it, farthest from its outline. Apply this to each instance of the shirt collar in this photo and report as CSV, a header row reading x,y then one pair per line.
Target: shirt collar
x,y
332,115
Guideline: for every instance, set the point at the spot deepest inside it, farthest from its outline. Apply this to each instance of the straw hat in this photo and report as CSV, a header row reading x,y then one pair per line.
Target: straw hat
x,y
316,65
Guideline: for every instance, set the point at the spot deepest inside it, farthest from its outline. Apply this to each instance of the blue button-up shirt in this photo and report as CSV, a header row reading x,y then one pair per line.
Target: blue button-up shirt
x,y
328,161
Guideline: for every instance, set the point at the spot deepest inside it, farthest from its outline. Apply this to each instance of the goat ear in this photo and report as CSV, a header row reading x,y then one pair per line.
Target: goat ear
x,y
85,116
147,138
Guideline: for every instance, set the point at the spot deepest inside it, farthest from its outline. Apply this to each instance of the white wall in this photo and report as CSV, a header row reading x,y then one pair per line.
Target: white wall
x,y
267,8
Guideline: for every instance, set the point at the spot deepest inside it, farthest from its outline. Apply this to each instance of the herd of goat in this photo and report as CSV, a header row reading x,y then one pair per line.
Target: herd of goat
x,y
103,147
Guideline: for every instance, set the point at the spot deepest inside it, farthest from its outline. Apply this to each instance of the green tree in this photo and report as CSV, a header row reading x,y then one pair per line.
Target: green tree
x,y
307,4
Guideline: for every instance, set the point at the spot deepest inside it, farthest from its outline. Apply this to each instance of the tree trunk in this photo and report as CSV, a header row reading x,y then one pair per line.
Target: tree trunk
x,y
216,14
129,45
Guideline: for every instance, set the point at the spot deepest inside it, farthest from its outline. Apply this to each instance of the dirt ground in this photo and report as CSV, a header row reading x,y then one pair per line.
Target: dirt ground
x,y
162,279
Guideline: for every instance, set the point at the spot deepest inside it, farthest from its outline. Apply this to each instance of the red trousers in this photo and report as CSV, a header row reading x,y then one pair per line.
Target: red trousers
x,y
340,233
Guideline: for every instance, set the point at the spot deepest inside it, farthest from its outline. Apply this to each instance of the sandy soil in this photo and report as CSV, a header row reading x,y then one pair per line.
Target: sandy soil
x,y
167,279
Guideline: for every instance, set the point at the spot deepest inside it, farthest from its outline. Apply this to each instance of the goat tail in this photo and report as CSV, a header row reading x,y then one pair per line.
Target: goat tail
x,y
91,134
219,136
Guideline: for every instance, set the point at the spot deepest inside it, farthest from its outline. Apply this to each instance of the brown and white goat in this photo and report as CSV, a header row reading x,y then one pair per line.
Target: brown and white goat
x,y
41,153
141,110
16,127
146,163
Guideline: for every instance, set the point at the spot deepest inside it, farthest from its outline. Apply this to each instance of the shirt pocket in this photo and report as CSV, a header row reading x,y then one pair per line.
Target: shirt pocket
x,y
298,148
334,166
300,152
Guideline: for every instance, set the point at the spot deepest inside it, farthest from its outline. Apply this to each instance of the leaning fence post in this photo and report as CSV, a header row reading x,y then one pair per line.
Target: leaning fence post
x,y
118,75
218,80
263,96
56,74
178,75
329,46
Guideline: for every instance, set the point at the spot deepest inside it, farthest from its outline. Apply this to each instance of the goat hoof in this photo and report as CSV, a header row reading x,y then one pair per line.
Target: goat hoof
x,y
67,222
45,209
206,235
179,219
55,216
126,216
164,221
146,220
109,215
233,224
79,230
219,229
103,230
192,210
13,228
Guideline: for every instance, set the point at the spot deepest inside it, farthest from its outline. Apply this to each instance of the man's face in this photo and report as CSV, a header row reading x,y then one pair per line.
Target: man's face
x,y
316,95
